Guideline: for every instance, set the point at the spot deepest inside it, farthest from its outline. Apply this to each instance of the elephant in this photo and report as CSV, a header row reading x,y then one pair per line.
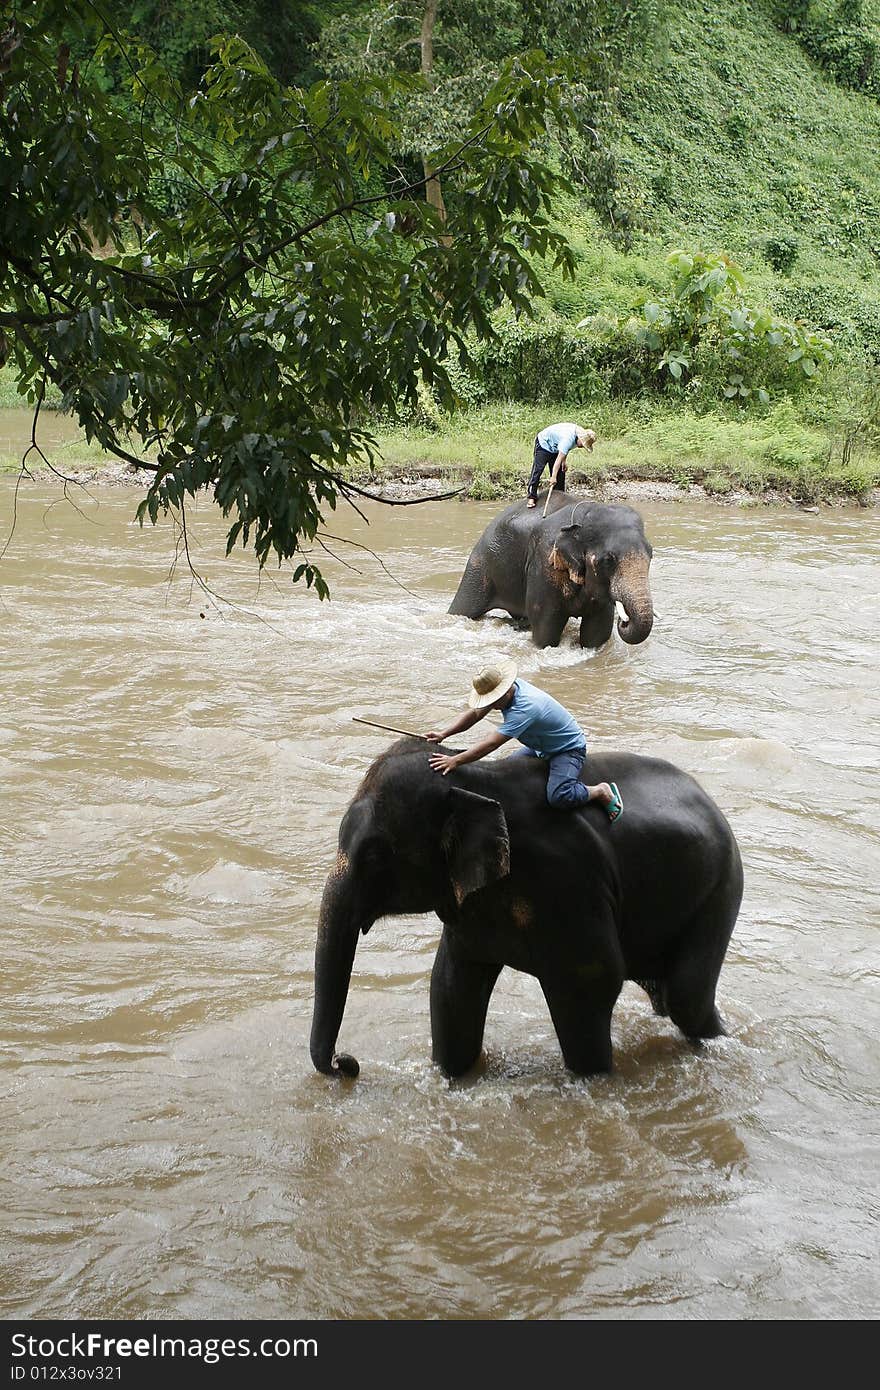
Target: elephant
x,y
566,896
574,563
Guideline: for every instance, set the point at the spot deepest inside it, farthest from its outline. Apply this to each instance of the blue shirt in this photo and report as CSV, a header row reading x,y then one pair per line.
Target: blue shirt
x,y
540,722
558,439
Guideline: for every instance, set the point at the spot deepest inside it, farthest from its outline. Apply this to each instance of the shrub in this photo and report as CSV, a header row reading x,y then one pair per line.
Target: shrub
x,y
533,362
780,252
484,488
704,328
837,39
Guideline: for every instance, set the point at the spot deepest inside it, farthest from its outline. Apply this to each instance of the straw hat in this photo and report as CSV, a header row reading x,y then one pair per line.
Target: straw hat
x,y
491,683
586,438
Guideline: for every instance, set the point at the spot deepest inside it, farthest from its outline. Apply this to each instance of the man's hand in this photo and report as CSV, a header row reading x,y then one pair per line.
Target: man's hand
x,y
434,737
442,762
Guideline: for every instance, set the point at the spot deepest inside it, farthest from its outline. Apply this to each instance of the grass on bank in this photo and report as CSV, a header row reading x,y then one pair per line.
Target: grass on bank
x,y
490,449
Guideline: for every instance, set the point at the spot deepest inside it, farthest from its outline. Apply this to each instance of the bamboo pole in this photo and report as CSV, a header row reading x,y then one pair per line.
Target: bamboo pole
x,y
389,727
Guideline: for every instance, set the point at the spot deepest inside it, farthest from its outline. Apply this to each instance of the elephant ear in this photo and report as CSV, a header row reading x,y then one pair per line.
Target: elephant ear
x,y
475,842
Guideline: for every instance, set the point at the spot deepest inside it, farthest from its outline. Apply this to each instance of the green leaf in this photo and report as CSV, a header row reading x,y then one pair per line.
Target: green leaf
x,y
263,299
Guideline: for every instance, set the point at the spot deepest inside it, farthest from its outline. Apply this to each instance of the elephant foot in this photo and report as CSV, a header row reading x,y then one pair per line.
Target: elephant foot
x,y
462,1076
711,1027
697,1028
544,636
460,994
582,1020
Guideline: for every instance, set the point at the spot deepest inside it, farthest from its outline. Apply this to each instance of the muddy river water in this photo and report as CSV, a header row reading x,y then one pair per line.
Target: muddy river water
x,y
174,769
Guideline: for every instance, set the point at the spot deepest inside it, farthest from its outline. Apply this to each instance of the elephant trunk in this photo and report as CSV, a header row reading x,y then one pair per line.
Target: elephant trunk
x,y
630,588
334,956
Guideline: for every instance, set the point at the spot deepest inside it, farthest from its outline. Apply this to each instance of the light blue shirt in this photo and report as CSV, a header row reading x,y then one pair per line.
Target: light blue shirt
x,y
558,439
540,722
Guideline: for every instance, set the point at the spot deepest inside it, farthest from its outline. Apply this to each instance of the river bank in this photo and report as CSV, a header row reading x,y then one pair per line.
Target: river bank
x,y
405,484
486,455
485,458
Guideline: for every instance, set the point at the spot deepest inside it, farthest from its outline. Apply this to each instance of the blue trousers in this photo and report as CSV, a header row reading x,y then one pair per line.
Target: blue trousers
x,y
543,459
564,787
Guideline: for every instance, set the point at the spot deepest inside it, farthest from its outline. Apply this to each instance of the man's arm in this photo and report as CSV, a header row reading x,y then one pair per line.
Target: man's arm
x,y
447,762
464,721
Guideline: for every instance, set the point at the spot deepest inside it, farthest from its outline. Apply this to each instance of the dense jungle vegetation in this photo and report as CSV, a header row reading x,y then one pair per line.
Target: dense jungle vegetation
x,y
440,224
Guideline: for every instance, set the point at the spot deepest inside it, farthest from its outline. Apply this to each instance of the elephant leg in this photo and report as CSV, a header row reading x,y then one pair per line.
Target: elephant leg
x,y
547,628
476,593
693,975
597,626
460,994
693,1010
581,1015
656,992
547,618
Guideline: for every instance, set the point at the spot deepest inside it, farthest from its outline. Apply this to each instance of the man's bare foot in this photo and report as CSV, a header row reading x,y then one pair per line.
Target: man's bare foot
x,y
531,502
608,795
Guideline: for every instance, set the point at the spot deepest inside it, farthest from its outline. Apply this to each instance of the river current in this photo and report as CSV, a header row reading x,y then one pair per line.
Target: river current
x,y
175,763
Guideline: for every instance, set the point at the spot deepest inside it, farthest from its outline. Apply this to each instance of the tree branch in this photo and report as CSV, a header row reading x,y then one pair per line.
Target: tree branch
x,y
345,486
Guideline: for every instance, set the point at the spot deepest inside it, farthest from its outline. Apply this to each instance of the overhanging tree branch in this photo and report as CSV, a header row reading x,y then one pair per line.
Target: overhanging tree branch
x,y
251,351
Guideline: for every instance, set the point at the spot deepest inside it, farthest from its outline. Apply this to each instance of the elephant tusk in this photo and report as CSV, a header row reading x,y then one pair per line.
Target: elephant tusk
x,y
622,614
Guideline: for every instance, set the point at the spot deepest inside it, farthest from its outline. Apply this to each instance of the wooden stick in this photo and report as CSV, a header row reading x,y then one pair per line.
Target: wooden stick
x,y
549,495
390,728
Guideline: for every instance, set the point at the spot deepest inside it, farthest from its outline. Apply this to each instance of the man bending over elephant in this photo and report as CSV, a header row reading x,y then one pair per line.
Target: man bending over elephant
x,y
542,725
552,447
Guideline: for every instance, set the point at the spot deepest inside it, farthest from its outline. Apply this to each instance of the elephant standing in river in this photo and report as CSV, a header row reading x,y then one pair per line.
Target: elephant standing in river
x,y
563,895
574,563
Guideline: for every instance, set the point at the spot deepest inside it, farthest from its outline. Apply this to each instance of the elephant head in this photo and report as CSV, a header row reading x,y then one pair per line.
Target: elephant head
x,y
409,842
604,549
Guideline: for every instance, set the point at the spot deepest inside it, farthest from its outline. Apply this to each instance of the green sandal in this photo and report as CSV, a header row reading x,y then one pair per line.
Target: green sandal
x,y
615,806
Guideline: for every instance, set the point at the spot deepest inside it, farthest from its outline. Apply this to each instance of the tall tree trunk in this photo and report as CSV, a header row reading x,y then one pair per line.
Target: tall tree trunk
x,y
433,191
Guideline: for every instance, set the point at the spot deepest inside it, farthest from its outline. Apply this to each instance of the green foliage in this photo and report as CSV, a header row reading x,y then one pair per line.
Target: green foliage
x,y
486,487
705,328
470,42
244,337
780,252
655,437
534,362
180,34
703,336
836,36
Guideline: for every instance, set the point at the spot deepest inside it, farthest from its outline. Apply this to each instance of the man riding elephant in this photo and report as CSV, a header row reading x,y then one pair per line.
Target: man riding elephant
x,y
578,903
577,562
541,724
552,448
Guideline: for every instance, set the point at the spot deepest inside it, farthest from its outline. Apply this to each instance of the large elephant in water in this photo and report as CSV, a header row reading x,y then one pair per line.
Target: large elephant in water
x,y
574,563
566,896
